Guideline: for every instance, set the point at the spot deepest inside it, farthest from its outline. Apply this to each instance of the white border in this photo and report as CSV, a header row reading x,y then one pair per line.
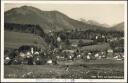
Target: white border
x,y
62,80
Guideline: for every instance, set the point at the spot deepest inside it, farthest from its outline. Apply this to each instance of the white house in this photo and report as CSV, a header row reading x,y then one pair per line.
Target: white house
x,y
58,39
49,61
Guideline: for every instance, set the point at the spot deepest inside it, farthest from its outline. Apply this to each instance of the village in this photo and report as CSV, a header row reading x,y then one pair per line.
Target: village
x,y
49,43
71,50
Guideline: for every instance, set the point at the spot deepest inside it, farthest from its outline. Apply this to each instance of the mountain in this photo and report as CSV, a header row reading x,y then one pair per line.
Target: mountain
x,y
97,23
118,27
48,20
92,22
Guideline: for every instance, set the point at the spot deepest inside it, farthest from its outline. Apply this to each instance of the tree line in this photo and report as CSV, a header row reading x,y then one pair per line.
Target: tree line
x,y
24,28
64,35
88,34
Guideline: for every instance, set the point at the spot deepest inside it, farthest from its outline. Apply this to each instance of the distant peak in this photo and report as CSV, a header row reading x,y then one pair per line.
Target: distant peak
x,y
25,6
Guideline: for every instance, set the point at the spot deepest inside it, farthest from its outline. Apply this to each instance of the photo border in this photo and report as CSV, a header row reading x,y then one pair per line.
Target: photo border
x,y
64,80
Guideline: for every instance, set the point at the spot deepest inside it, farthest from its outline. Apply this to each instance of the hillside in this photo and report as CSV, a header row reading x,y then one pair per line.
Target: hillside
x,y
118,27
48,20
17,39
93,22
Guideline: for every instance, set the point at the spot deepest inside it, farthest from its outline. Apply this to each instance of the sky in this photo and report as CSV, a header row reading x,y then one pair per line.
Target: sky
x,y
110,14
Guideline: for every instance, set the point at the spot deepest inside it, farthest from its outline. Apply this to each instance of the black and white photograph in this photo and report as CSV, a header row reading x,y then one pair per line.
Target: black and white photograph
x,y
69,41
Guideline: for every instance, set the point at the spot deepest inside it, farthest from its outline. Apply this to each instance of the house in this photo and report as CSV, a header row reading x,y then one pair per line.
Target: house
x,y
26,53
96,55
29,49
110,53
100,38
37,60
49,61
79,56
36,53
118,56
88,57
58,39
74,45
69,54
74,42
26,57
7,60
69,51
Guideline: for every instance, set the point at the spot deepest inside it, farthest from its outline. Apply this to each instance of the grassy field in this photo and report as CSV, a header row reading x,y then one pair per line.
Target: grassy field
x,y
17,39
97,47
91,70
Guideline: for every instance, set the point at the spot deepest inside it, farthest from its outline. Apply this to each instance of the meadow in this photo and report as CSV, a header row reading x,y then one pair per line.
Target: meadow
x,y
108,69
14,40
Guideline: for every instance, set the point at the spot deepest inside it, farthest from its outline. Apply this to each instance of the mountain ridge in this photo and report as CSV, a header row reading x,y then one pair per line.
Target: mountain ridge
x,y
48,20
93,22
118,27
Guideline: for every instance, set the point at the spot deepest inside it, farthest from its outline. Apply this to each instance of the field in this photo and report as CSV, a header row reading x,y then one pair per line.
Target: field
x,y
79,69
97,47
17,39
